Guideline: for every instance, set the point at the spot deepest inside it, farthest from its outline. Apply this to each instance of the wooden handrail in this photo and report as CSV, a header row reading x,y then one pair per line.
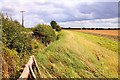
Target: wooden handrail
x,y
28,71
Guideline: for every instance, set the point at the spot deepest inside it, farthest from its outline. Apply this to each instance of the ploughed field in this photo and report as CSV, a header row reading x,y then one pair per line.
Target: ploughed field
x,y
79,55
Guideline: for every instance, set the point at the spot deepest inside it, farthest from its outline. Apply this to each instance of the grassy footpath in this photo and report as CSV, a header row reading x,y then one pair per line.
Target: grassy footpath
x,y
76,55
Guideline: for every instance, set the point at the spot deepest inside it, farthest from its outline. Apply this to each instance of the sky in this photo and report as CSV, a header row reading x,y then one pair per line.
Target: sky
x,y
67,13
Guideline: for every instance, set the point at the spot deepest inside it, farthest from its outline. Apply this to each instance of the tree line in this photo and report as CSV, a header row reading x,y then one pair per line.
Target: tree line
x,y
92,28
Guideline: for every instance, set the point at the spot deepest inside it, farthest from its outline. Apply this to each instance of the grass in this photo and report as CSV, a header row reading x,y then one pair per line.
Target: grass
x,y
78,55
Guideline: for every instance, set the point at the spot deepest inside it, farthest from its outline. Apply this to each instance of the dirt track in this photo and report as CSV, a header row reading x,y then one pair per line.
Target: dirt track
x,y
103,32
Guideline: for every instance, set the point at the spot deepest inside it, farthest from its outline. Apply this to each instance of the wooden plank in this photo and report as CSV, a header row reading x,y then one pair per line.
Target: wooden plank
x,y
32,73
28,71
36,65
25,73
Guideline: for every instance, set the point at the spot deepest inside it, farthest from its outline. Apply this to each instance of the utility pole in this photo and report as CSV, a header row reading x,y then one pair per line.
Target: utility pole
x,y
22,18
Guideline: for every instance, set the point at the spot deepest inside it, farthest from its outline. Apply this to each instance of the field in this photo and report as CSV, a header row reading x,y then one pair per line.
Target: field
x,y
102,32
78,55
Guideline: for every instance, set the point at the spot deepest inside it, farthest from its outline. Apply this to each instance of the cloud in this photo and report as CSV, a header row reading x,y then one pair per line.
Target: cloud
x,y
97,23
43,11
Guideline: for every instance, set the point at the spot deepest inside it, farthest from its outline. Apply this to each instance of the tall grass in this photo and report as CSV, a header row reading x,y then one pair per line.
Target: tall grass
x,y
76,55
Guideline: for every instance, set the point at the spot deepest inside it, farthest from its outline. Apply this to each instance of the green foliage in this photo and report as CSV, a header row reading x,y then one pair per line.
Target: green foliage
x,y
11,63
58,28
16,46
53,24
45,33
14,36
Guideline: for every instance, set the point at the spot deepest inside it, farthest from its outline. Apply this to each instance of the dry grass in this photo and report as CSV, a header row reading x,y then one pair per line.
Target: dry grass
x,y
103,32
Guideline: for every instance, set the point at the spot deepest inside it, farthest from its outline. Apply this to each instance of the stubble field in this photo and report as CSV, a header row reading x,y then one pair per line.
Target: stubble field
x,y
103,32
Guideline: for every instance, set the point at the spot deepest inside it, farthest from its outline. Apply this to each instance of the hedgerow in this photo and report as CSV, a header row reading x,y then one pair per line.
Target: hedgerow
x,y
14,36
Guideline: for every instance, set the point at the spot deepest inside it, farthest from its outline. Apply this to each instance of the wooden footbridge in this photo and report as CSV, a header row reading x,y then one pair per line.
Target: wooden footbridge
x,y
31,70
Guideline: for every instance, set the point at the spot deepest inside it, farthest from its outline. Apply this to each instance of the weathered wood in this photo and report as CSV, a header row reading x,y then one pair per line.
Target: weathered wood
x,y
28,71
25,73
31,71
38,71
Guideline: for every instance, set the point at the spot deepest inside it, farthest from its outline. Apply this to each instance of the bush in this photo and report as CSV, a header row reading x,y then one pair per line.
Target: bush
x,y
14,36
16,44
10,63
45,33
58,28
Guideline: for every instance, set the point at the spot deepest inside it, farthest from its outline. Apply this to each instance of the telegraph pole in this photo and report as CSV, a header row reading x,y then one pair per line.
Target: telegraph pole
x,y
22,18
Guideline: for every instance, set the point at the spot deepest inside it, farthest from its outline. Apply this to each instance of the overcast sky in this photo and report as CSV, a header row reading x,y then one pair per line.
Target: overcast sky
x,y
67,13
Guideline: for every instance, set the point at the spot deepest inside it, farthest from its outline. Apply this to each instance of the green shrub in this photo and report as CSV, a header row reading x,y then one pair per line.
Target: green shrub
x,y
58,28
14,36
45,33
10,63
15,43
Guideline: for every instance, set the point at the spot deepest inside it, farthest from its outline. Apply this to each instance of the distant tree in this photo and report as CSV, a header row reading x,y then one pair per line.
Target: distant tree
x,y
53,24
83,28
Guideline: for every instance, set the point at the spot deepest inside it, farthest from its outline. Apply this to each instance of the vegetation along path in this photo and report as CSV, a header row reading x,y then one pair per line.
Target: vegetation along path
x,y
79,55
